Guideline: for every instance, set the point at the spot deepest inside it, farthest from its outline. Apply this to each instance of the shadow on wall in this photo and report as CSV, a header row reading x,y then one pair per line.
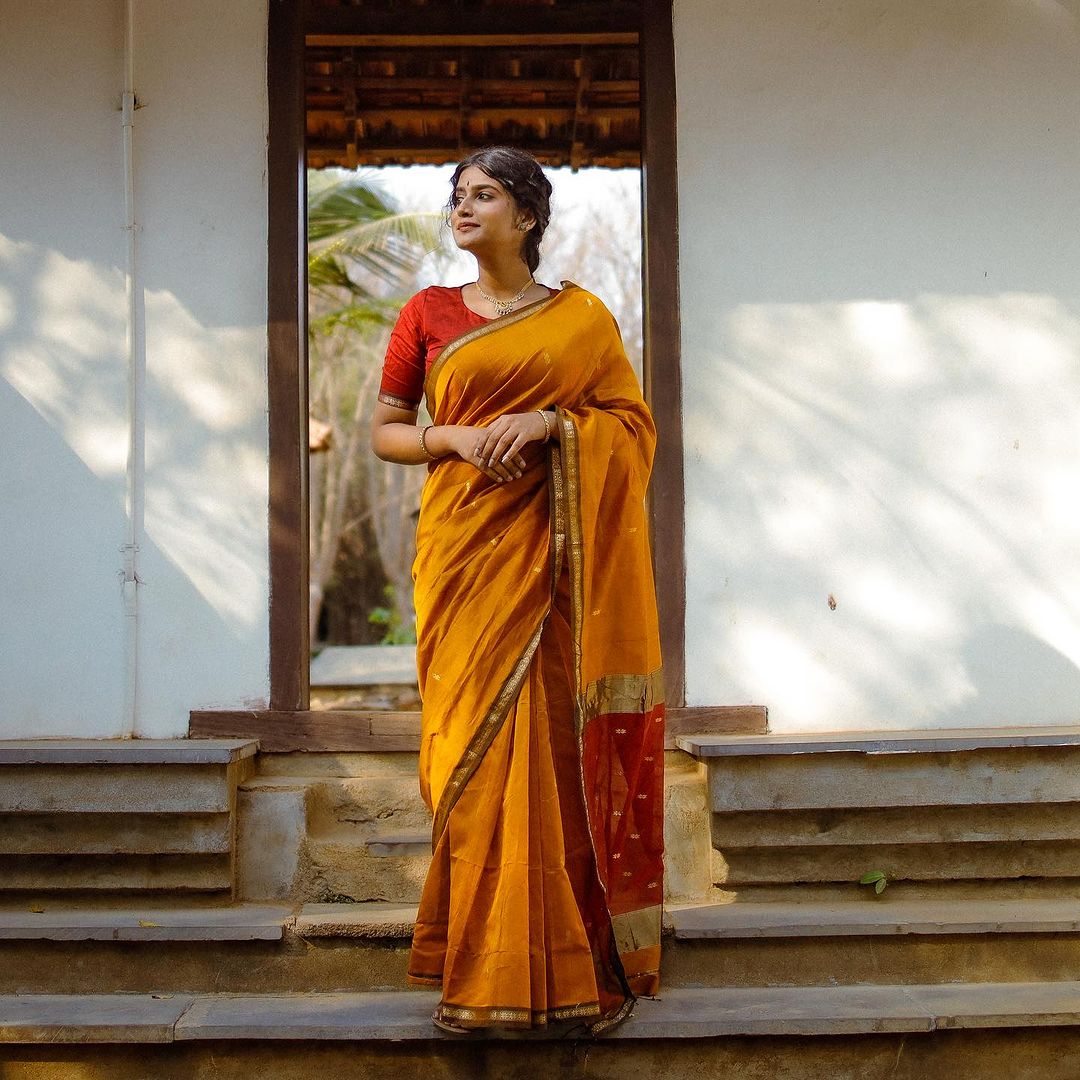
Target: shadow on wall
x,y
63,408
884,497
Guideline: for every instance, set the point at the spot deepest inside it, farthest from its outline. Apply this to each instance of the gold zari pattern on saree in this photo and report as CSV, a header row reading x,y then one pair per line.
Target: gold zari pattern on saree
x,y
638,929
483,737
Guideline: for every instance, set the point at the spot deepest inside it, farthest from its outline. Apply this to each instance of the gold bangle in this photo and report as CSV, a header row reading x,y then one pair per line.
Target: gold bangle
x,y
423,444
547,426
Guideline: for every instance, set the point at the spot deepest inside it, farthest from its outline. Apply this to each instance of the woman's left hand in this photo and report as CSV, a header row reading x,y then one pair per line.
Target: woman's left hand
x,y
507,435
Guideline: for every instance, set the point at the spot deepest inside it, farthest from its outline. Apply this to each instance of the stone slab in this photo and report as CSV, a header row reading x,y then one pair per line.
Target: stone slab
x,y
364,665
367,920
125,751
242,922
335,868
405,1015
984,776
116,787
877,916
902,862
861,826
877,742
73,833
196,873
90,1018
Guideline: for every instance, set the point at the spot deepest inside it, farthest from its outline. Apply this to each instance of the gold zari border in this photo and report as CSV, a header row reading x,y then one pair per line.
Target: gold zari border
x,y
637,929
518,1017
452,347
625,694
396,402
484,736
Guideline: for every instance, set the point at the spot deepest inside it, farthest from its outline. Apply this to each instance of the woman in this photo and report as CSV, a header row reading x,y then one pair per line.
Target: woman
x,y
537,648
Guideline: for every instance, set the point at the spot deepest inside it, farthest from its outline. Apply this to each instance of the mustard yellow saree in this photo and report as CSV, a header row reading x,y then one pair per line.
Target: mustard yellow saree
x,y
539,664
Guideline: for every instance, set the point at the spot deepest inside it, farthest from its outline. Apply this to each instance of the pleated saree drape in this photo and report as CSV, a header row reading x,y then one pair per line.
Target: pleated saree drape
x,y
539,665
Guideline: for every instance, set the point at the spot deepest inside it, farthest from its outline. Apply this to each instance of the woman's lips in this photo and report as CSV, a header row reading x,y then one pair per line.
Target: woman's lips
x,y
465,226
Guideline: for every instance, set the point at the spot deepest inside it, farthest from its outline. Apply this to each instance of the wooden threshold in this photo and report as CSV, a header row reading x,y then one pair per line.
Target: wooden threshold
x,y
357,731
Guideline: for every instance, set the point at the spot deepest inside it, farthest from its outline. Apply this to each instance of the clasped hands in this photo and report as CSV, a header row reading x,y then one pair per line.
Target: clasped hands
x,y
496,450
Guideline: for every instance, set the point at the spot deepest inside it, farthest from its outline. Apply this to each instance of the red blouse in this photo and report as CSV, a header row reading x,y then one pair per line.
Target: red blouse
x,y
432,318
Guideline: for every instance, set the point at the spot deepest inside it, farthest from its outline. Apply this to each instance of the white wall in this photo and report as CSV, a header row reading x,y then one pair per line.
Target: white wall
x,y
200,181
880,237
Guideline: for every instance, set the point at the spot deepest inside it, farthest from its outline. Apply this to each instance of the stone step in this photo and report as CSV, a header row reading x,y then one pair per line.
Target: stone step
x,y
365,801
828,771
361,947
114,833
361,870
861,826
300,765
110,872
53,921
989,805
115,788
679,1013
876,916
133,815
375,920
126,751
736,867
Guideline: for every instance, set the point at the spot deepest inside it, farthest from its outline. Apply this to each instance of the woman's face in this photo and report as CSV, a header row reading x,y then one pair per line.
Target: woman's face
x,y
485,217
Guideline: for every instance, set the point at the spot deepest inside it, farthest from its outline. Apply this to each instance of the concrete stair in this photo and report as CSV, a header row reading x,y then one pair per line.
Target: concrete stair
x,y
138,816
346,827
397,1016
353,827
983,1033
931,809
770,942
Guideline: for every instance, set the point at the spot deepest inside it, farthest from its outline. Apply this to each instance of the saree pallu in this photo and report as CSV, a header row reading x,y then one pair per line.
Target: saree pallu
x,y
539,665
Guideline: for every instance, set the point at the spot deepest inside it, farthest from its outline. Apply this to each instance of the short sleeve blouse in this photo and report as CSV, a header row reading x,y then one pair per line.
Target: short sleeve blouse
x,y
431,319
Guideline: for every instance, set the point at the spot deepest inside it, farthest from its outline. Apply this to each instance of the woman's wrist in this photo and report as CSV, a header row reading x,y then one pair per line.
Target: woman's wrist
x,y
436,440
551,421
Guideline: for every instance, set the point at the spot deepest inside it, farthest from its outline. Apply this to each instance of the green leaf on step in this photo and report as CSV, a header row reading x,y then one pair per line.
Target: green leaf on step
x,y
147,922
879,885
872,876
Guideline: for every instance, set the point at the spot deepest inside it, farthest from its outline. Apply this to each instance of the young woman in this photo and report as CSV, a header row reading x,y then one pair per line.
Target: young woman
x,y
537,648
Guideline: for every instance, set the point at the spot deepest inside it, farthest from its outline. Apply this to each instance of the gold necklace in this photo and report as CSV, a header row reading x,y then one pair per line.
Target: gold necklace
x,y
503,307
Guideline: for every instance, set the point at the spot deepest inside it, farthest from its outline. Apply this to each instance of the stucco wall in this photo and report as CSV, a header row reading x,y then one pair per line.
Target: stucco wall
x,y
200,184
880,277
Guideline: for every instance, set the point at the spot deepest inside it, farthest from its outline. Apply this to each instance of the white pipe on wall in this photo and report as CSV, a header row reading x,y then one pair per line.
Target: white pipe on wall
x,y
136,366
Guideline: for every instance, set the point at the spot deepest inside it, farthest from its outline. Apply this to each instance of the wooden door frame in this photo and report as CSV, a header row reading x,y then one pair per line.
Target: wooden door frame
x,y
289,724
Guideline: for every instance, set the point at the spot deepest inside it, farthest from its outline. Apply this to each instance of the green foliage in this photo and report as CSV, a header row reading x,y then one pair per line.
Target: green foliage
x,y
386,616
876,878
360,244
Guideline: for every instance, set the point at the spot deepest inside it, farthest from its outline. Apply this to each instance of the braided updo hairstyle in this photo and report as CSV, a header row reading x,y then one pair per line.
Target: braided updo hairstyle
x,y
520,173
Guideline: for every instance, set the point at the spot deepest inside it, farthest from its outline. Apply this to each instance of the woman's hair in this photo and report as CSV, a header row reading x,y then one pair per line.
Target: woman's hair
x,y
520,173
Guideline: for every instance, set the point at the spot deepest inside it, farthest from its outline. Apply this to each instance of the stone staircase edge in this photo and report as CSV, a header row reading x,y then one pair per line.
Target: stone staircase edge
x,y
405,1015
194,751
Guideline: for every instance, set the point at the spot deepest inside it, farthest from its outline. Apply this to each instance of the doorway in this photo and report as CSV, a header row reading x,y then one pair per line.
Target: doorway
x,y
454,24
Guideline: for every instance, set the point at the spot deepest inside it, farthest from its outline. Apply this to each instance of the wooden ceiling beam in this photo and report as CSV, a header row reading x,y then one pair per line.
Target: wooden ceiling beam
x,y
441,153
444,21
492,40
499,113
494,86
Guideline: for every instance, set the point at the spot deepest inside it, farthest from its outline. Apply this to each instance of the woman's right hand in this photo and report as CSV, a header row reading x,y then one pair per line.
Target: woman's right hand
x,y
461,439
